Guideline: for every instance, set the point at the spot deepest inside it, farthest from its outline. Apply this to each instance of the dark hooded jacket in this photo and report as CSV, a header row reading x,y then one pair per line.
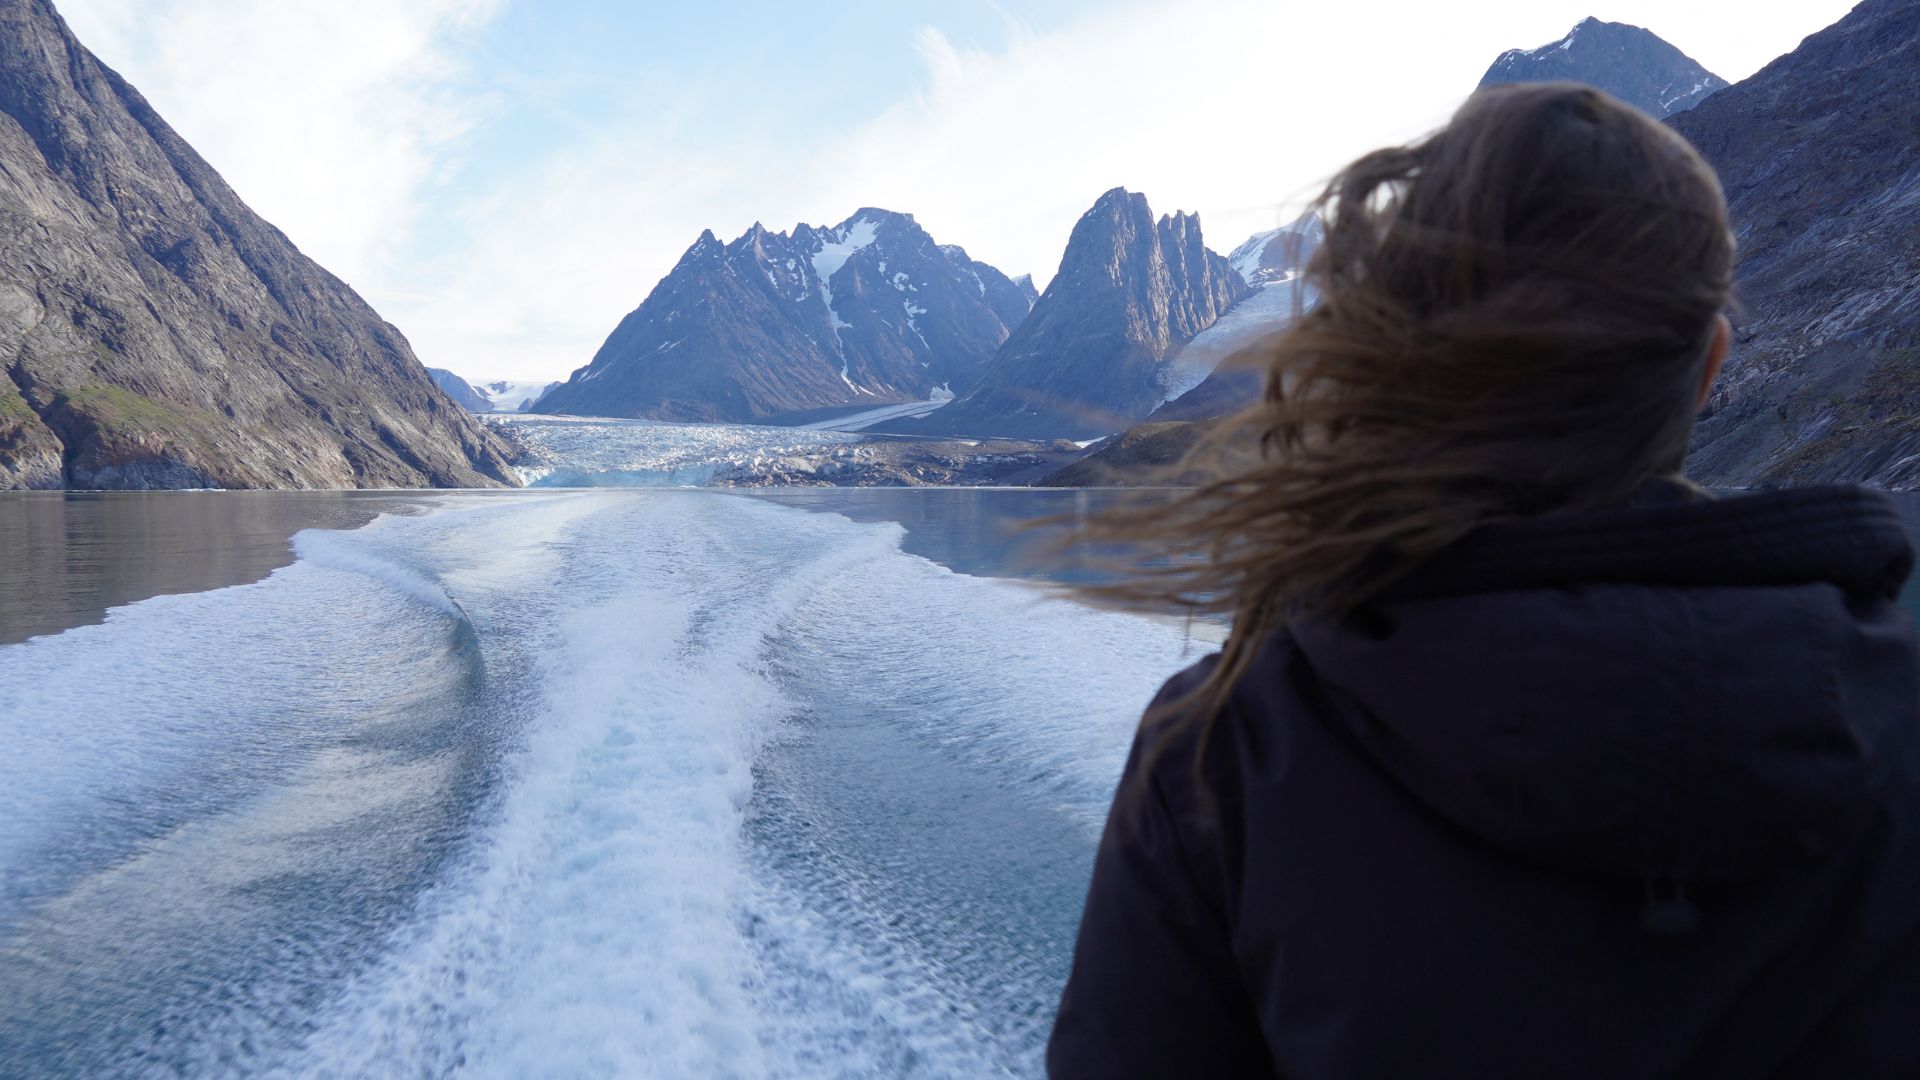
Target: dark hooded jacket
x,y
1632,792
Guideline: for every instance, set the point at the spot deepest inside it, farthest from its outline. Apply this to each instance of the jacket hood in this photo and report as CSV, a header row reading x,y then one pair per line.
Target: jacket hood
x,y
1686,689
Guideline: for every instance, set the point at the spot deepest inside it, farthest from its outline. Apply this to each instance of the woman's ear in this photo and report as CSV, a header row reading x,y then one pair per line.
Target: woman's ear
x,y
1716,355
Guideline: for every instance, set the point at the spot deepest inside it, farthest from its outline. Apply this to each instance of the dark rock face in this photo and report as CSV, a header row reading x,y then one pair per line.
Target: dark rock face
x,y
1630,63
1142,454
155,332
1820,156
1090,359
460,390
869,312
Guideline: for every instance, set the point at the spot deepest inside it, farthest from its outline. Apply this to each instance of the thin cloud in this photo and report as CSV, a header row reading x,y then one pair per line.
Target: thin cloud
x,y
342,122
332,120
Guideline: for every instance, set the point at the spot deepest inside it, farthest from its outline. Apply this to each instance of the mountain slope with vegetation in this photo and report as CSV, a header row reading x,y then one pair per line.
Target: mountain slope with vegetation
x,y
155,332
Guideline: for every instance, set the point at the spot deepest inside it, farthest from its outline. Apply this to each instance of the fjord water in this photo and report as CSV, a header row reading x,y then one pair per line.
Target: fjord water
x,y
670,783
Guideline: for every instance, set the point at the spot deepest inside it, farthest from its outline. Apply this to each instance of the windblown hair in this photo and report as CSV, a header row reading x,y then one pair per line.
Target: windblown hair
x,y
1514,318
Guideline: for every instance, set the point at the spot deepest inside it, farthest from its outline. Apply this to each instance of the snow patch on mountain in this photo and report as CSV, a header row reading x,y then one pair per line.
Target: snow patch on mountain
x,y
513,395
500,395
861,421
1272,262
1246,257
1271,307
833,255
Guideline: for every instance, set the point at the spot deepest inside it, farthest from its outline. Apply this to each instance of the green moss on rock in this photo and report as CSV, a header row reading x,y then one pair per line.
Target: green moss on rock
x,y
116,407
14,408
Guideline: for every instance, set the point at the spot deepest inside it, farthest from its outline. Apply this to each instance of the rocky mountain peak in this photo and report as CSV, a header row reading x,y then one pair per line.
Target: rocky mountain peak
x,y
706,248
1629,62
1129,293
878,215
1117,201
867,312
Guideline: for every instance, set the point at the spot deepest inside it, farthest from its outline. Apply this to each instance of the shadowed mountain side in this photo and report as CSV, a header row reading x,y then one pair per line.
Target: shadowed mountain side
x,y
1147,453
1142,454
155,332
1820,156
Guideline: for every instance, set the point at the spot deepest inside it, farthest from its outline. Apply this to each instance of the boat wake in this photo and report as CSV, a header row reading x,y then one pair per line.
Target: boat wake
x,y
640,783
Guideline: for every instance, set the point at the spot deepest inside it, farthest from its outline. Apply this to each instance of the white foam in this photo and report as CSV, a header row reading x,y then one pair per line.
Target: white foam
x,y
178,703
603,919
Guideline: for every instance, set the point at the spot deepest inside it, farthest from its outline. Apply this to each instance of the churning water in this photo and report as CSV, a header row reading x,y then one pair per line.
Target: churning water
x,y
589,783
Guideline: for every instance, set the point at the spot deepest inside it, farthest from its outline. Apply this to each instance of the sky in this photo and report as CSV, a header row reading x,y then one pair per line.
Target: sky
x,y
505,179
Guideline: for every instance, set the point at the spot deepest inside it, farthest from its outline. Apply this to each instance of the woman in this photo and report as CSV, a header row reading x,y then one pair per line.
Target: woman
x,y
1525,757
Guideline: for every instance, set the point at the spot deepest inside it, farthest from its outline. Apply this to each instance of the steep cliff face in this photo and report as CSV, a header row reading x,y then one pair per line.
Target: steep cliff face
x,y
867,312
1630,63
1092,356
155,332
1820,156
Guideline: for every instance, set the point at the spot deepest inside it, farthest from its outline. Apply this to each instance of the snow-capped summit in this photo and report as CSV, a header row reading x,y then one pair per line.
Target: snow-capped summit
x,y
868,312
501,395
513,395
1630,63
1278,254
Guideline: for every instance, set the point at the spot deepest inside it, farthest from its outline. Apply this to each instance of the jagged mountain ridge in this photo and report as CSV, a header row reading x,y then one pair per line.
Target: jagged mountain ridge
x,y
1091,357
1199,380
155,332
1631,63
1819,153
868,312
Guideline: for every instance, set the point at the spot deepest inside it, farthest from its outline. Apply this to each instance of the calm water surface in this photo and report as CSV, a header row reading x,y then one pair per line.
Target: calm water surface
x,y
67,557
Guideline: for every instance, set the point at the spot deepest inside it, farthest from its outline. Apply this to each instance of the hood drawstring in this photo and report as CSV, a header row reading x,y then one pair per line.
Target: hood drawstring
x,y
1671,915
